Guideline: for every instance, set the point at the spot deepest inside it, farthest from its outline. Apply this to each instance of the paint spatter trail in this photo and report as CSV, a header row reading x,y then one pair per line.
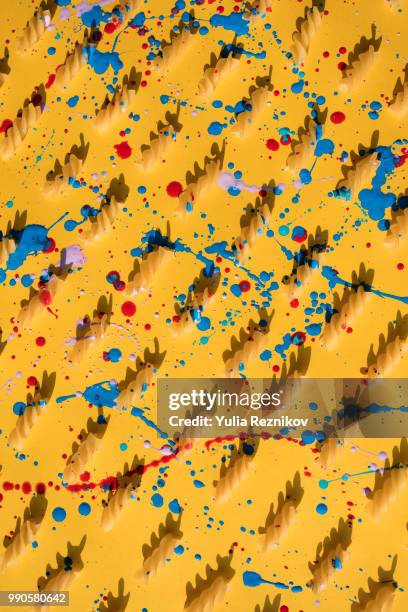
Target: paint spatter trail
x,y
253,579
324,484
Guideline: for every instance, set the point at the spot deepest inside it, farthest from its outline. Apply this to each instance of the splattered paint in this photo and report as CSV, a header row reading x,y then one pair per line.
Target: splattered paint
x,y
268,123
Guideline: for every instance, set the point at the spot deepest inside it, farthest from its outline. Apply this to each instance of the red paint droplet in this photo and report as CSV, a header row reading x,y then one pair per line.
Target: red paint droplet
x,y
147,326
85,476
123,149
32,381
342,50
400,266
275,368
245,286
284,609
326,54
26,487
174,189
337,117
45,297
40,341
368,245
349,330
40,488
294,303
128,309
342,66
272,144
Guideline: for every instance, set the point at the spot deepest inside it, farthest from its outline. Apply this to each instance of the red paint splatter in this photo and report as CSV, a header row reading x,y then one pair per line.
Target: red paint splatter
x,y
123,150
174,189
294,303
128,309
40,341
337,117
32,381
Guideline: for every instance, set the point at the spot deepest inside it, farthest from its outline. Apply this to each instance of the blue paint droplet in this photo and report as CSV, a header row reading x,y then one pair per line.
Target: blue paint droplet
x,y
321,509
323,484
179,549
51,50
198,484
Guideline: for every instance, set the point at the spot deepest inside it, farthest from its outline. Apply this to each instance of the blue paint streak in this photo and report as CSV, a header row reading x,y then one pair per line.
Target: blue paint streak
x,y
253,579
138,412
334,279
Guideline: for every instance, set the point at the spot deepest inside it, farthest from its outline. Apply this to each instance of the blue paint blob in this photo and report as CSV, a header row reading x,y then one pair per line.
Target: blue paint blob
x,y
297,87
19,408
204,324
305,176
265,355
323,484
179,549
84,509
59,514
321,509
100,61
174,506
308,437
324,147
73,101
314,329
235,22
198,484
114,355
215,128
157,500
51,50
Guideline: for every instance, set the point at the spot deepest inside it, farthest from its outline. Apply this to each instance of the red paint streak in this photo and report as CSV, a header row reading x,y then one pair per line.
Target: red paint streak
x,y
7,123
50,81
209,443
